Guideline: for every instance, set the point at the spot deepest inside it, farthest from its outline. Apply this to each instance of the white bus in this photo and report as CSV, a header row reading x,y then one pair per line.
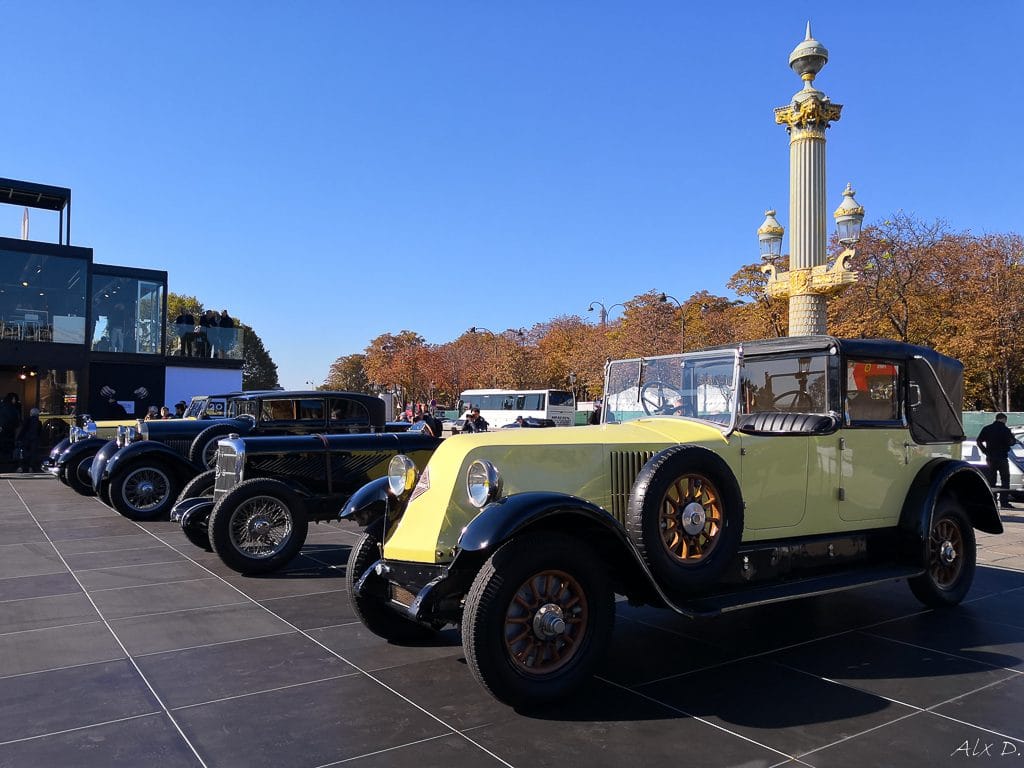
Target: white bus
x,y
501,406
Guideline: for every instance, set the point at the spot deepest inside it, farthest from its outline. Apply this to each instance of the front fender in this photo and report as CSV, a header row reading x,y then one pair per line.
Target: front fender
x,y
368,505
150,450
503,519
935,478
75,451
197,506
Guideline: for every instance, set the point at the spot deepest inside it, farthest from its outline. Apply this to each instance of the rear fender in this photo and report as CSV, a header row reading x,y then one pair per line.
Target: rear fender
x,y
935,479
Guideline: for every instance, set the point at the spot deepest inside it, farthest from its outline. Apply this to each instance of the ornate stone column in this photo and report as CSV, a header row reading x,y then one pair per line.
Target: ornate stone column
x,y
809,282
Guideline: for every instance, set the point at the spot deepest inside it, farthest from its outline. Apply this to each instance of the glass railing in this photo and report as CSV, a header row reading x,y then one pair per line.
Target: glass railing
x,y
205,342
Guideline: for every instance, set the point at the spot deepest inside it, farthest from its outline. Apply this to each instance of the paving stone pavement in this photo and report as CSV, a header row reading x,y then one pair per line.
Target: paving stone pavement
x,y
121,644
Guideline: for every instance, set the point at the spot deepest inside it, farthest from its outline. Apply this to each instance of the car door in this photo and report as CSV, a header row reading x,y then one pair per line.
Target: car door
x,y
878,460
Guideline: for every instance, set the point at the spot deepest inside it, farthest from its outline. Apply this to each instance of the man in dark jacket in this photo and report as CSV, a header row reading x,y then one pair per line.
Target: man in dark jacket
x,y
28,441
995,440
475,422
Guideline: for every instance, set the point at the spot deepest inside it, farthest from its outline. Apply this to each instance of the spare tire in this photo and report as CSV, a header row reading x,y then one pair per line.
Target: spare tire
x,y
203,450
685,516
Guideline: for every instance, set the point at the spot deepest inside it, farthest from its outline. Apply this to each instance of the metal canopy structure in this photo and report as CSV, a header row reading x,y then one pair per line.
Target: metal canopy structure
x,y
44,196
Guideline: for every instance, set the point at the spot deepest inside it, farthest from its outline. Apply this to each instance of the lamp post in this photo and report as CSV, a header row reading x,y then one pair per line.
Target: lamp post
x,y
572,384
603,314
494,336
664,298
810,280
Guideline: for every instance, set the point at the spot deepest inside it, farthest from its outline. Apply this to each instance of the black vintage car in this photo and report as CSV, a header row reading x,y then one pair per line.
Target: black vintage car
x,y
142,479
71,459
266,491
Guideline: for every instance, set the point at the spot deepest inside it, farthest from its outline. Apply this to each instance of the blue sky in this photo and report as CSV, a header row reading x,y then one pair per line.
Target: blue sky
x,y
330,171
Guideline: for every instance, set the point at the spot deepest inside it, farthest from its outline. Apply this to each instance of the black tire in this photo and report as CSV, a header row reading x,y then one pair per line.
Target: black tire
x,y
685,516
197,531
554,587
950,557
377,617
203,451
76,474
259,526
62,474
199,486
144,491
104,494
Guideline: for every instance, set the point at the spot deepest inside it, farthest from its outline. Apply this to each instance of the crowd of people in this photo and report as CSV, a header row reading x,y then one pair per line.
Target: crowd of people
x,y
205,334
163,412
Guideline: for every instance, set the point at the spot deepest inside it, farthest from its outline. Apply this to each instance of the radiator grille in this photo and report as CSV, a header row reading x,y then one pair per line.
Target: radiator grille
x,y
625,466
225,478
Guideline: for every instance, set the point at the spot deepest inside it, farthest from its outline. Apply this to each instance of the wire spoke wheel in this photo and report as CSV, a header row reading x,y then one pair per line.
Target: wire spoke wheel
x,y
545,621
146,489
691,518
260,527
945,561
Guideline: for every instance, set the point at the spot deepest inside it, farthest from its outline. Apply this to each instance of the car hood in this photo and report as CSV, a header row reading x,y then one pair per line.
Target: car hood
x,y
573,460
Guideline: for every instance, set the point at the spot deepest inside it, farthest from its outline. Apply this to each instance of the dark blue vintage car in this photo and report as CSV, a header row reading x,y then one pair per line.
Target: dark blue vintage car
x,y
266,491
142,479
71,459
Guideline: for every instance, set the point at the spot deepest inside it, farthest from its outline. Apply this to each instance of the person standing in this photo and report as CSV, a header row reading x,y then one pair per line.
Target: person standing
x,y
10,420
28,440
185,325
995,440
179,409
475,422
226,334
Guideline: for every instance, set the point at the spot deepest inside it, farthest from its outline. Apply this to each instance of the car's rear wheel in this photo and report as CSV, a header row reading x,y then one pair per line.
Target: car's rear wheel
x,y
259,526
376,616
144,491
196,528
685,516
77,474
950,557
537,618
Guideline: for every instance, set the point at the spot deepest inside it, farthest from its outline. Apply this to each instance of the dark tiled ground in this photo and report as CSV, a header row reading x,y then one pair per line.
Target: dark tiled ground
x,y
121,644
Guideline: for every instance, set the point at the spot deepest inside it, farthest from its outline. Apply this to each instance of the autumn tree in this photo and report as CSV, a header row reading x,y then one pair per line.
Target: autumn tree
x,y
259,371
348,374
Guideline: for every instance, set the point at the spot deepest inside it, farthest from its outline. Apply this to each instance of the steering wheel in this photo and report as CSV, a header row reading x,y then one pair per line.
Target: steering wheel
x,y
655,395
798,401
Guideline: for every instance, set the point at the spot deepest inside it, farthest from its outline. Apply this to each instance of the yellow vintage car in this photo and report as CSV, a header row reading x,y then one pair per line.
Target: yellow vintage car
x,y
718,479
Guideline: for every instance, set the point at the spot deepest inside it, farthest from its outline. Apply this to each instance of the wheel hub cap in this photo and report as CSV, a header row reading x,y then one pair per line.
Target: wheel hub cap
x,y
693,518
549,622
947,552
259,526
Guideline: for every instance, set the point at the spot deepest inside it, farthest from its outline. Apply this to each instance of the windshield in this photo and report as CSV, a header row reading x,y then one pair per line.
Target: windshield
x,y
699,385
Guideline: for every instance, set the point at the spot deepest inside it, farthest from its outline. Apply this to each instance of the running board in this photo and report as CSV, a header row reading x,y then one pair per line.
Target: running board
x,y
789,590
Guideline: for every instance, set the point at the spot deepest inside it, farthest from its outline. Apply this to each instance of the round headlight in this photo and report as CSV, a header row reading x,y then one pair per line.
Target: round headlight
x,y
89,427
130,434
121,438
483,483
401,475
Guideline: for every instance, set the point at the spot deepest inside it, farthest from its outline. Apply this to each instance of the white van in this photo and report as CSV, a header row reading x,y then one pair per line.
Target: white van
x,y
501,406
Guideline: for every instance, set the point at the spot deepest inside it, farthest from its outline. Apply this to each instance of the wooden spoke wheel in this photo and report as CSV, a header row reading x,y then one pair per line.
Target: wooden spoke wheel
x,y
544,622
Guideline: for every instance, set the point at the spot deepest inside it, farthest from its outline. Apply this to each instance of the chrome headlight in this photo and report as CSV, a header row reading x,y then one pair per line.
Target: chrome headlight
x,y
89,427
483,483
143,431
122,436
131,434
402,475
77,433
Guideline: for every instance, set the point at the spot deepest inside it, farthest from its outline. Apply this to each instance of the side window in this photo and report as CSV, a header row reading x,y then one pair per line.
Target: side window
x,y
533,402
346,413
311,410
788,385
278,410
872,391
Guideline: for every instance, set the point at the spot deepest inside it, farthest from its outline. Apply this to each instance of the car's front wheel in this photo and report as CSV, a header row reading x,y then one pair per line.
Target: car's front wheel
x,y
950,557
144,491
258,527
537,618
77,475
376,616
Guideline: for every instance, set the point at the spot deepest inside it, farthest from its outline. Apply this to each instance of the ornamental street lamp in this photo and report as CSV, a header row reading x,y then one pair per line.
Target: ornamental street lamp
x,y
604,310
810,280
664,298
